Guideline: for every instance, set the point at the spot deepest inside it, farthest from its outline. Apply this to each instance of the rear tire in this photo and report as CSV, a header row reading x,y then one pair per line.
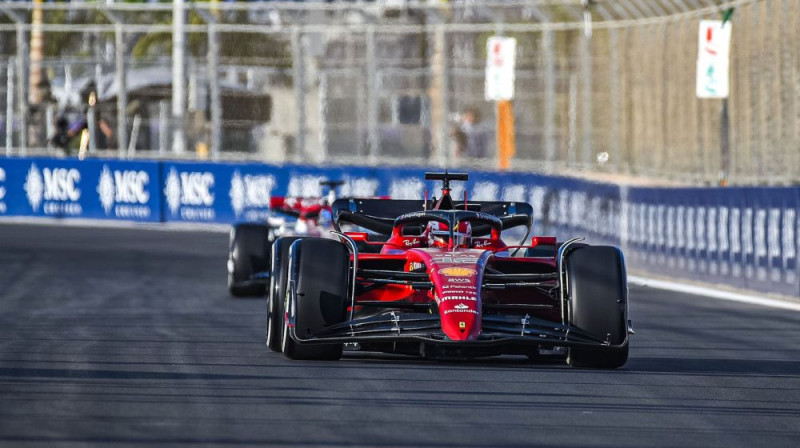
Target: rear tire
x,y
249,253
598,298
317,291
277,290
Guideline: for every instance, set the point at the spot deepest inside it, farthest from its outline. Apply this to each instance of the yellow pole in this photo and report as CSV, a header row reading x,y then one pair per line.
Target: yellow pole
x,y
506,146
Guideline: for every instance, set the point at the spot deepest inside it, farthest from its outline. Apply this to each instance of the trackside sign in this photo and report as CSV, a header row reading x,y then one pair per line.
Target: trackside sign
x,y
501,54
713,59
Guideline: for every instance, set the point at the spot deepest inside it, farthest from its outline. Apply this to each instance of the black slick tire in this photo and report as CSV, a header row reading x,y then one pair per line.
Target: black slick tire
x,y
317,291
249,253
276,293
597,289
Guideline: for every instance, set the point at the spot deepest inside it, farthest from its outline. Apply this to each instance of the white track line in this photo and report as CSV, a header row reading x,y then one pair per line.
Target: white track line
x,y
714,293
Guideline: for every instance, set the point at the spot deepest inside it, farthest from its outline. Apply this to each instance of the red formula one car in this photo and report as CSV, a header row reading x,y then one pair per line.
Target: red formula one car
x,y
249,252
445,284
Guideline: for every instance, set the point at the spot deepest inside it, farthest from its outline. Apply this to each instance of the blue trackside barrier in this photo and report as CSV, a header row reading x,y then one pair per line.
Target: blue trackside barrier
x,y
67,188
744,237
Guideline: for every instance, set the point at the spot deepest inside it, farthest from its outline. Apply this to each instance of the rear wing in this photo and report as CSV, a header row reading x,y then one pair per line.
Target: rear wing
x,y
378,215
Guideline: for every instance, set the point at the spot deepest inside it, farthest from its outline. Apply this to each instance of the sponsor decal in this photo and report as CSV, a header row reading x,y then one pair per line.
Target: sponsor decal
x,y
457,272
411,242
407,188
485,191
305,186
774,233
461,306
172,191
414,265
360,187
736,239
464,258
514,193
417,215
190,194
251,191
481,243
462,325
60,184
2,190
55,189
460,286
458,280
462,298
124,192
789,217
761,233
458,310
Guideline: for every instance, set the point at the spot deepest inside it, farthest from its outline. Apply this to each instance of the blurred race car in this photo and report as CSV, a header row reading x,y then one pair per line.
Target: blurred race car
x,y
445,284
250,248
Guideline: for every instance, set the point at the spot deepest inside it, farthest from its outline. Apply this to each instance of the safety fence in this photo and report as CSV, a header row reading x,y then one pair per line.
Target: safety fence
x,y
389,82
744,237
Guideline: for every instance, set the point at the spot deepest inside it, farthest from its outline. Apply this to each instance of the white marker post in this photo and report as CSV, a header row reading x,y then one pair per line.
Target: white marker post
x,y
713,73
713,59
501,55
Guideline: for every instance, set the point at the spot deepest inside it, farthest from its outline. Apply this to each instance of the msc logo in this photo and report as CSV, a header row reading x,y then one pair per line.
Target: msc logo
x,y
122,186
250,191
52,184
360,186
305,186
406,188
189,188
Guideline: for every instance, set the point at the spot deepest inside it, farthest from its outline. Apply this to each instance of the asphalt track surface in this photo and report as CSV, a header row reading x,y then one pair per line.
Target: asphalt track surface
x,y
127,337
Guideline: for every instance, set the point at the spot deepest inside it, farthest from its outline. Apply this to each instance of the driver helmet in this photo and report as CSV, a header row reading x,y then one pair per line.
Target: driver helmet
x,y
438,234
463,234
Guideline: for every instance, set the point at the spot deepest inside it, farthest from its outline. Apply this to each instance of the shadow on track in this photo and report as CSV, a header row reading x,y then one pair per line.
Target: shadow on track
x,y
714,366
124,374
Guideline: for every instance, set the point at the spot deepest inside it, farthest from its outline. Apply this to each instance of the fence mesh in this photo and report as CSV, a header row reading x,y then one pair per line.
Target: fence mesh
x,y
371,84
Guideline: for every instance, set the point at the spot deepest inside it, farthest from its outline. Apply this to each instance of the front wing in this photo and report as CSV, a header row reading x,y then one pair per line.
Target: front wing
x,y
497,330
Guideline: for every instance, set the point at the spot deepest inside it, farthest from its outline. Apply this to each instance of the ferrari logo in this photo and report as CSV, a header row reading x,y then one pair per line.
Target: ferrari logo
x,y
457,272
462,325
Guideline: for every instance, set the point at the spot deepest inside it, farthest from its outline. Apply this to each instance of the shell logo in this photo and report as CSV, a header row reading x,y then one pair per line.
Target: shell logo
x,y
457,272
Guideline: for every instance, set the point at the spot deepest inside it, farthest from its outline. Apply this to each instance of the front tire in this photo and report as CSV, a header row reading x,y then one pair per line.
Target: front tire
x,y
316,295
598,298
249,253
277,291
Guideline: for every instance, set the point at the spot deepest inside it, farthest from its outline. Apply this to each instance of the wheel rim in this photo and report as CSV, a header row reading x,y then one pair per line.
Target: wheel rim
x,y
270,316
271,293
285,336
270,335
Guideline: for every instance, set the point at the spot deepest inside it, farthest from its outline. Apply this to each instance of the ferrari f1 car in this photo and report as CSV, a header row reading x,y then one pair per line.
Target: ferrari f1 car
x,y
444,284
251,242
